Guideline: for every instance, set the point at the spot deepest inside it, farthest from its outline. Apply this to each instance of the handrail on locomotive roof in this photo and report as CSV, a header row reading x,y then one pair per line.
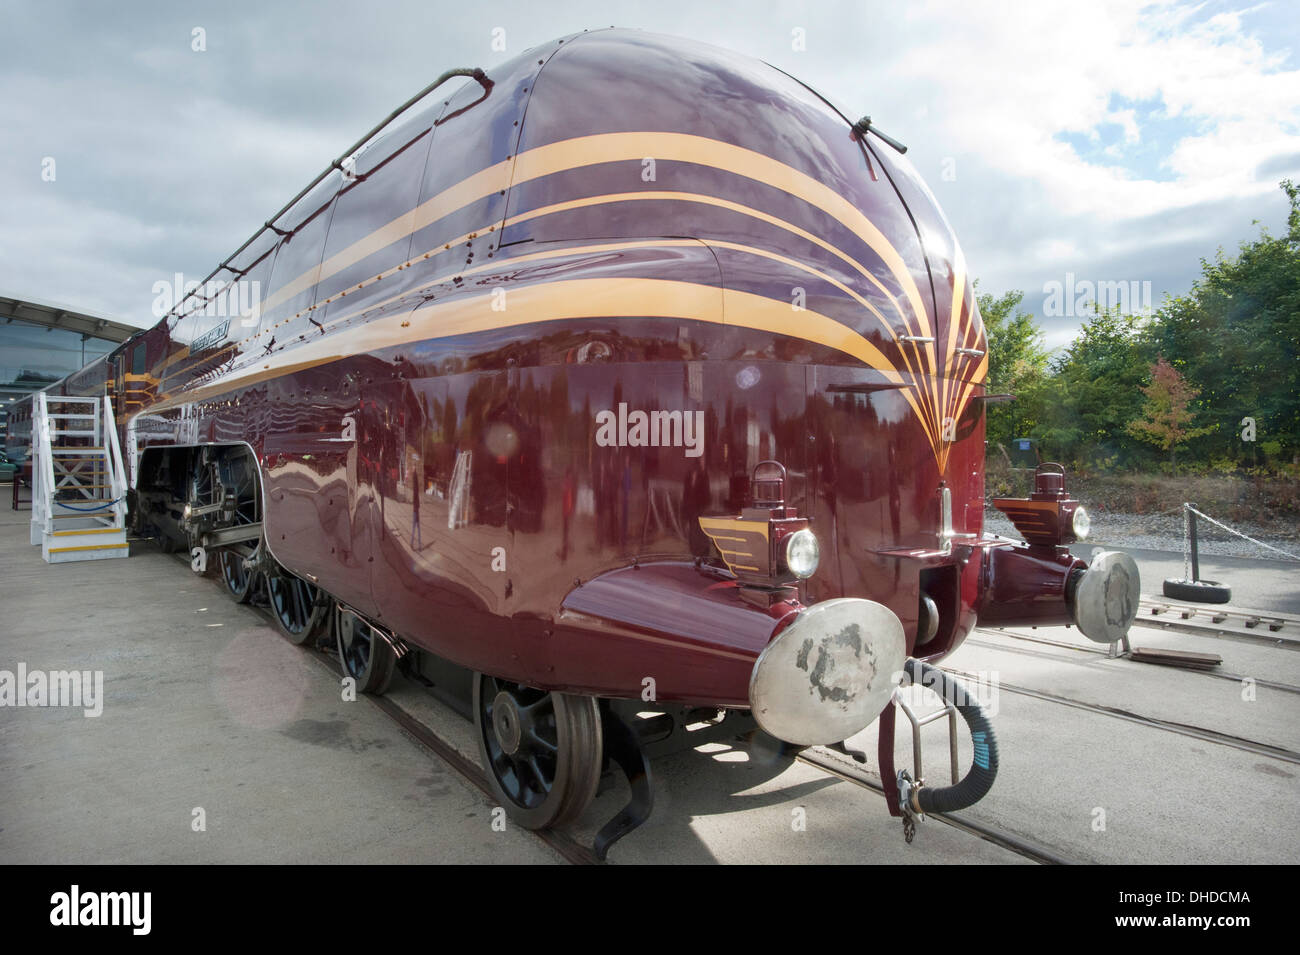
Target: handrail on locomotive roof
x,y
474,72
858,129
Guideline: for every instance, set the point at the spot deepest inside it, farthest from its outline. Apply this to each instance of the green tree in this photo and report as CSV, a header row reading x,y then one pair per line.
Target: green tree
x,y
1236,336
1017,366
1094,390
1167,414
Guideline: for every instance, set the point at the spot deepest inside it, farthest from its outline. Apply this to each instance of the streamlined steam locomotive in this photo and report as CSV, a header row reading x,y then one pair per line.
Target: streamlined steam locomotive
x,y
631,376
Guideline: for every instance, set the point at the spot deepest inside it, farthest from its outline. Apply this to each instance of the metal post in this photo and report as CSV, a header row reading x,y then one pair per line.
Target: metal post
x,y
1191,524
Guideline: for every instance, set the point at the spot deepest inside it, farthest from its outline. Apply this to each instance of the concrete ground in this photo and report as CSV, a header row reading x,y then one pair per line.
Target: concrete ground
x,y
1163,797
206,707
1268,585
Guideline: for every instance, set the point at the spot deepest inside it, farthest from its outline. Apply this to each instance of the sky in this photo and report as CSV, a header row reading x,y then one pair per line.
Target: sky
x,y
1067,142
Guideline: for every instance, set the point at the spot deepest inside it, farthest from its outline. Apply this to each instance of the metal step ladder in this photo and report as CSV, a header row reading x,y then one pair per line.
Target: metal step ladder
x,y
78,482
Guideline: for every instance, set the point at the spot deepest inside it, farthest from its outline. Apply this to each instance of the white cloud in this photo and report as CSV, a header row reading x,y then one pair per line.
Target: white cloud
x,y
167,159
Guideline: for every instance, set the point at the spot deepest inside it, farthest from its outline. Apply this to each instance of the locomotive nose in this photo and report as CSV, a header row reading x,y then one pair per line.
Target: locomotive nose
x,y
830,673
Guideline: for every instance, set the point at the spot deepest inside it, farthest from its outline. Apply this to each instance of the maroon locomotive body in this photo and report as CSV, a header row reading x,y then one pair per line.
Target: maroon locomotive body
x,y
632,370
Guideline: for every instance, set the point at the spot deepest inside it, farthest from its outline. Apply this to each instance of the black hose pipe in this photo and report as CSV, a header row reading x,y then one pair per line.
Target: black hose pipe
x,y
975,785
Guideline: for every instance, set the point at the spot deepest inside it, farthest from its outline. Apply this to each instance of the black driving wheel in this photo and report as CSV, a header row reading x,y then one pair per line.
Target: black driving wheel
x,y
204,490
297,607
364,654
238,578
231,479
542,750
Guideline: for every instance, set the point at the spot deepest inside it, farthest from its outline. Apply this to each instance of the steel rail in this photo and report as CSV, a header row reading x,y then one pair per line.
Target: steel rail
x,y
1235,677
1012,843
569,849
1168,726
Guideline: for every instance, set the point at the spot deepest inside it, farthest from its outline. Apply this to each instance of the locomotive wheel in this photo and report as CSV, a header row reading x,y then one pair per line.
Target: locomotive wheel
x,y
239,580
295,607
204,490
542,750
364,654
238,471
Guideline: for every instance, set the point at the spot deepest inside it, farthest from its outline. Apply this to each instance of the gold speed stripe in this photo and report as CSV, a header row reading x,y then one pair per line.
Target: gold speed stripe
x,y
673,196
705,199
619,246
468,190
924,411
677,196
976,379
783,323
769,315
683,147
572,299
926,419
947,390
614,147
932,404
924,414
961,388
963,363
610,147
733,207
971,334
510,263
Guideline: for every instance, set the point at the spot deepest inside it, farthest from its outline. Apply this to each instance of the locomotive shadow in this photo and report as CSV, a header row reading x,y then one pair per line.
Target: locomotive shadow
x,y
708,787
713,784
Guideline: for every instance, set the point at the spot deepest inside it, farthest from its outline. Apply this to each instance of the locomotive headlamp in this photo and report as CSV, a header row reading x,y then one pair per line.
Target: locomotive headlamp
x,y
768,546
1081,523
1048,517
802,553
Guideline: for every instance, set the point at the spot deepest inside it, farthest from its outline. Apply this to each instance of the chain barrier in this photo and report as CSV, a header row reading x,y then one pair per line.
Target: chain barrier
x,y
1188,511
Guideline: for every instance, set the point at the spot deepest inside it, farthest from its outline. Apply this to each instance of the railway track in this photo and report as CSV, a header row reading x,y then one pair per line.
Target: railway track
x,y
575,852
1025,638
579,854
1261,628
826,761
1169,726
569,849
850,772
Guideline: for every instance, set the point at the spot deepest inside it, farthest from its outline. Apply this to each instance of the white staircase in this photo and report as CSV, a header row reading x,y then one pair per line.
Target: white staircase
x,y
78,483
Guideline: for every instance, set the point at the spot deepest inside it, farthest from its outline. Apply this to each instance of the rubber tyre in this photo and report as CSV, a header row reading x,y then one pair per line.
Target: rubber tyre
x,y
1198,591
